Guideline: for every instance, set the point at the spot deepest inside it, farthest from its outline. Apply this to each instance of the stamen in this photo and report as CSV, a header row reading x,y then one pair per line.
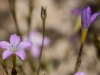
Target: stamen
x,y
14,48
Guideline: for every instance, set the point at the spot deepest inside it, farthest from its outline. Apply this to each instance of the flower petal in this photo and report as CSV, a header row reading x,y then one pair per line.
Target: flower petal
x,y
25,44
88,9
46,41
93,17
79,73
75,11
14,39
6,54
35,38
4,44
21,54
33,33
85,17
35,51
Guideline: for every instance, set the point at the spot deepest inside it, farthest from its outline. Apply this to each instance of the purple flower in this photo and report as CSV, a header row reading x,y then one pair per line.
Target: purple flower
x,y
76,11
87,18
36,38
79,73
14,47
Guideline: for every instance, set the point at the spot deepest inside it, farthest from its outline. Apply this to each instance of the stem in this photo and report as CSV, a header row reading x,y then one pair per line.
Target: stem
x,y
30,15
12,8
79,59
14,72
14,60
83,35
43,20
4,67
43,39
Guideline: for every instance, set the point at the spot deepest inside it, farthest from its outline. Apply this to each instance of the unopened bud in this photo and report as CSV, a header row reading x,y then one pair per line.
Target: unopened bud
x,y
43,13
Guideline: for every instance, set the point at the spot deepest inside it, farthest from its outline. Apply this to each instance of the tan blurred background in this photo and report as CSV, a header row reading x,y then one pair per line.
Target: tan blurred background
x,y
60,23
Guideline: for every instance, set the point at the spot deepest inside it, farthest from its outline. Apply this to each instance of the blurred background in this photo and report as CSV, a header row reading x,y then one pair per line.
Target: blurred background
x,y
59,57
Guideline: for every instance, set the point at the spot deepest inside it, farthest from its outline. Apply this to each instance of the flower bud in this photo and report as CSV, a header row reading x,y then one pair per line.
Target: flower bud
x,y
43,13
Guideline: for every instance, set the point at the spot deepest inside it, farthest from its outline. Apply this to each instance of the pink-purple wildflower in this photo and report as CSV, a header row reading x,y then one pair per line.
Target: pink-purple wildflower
x,y
87,18
76,11
36,39
14,47
79,73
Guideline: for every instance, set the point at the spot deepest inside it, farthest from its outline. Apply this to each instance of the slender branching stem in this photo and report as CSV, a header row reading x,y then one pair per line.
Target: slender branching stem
x,y
29,19
12,9
41,48
30,15
43,16
43,39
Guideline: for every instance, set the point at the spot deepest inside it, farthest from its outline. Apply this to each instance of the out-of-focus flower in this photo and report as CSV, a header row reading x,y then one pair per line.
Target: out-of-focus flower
x,y
77,24
14,47
76,29
87,18
79,73
76,11
36,39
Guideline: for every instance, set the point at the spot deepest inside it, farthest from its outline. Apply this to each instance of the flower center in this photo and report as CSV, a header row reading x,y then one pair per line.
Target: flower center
x,y
14,48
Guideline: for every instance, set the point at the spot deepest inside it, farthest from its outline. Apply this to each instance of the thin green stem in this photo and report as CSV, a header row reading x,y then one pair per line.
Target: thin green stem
x,y
12,9
29,27
30,15
14,60
43,20
43,16
42,40
14,72
4,67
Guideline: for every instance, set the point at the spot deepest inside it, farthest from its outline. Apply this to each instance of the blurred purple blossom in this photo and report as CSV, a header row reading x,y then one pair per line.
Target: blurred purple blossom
x,y
72,38
76,11
36,39
87,18
14,47
79,73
